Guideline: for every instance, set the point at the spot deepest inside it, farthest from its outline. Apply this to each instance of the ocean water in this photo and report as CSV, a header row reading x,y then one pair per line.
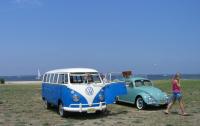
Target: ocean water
x,y
149,76
170,76
20,78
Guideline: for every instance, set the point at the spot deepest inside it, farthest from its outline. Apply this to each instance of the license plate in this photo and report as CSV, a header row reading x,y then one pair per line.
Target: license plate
x,y
91,110
162,102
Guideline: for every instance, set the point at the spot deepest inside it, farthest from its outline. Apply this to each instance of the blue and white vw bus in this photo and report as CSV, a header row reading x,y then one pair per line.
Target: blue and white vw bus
x,y
78,90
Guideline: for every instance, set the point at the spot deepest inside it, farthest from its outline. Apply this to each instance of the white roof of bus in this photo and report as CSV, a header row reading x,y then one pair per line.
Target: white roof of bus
x,y
72,70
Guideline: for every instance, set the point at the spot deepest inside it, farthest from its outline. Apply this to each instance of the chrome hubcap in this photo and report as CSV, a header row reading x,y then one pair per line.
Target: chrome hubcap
x,y
61,109
45,104
139,103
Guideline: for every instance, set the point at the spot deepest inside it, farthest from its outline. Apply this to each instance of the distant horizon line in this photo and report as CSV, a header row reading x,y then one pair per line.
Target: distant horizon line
x,y
108,72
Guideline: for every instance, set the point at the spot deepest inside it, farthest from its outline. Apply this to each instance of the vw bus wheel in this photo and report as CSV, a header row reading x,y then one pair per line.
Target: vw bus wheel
x,y
140,104
106,111
47,105
117,99
61,111
103,112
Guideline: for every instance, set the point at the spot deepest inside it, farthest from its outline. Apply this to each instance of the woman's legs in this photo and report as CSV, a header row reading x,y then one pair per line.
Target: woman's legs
x,y
172,101
180,100
182,107
169,106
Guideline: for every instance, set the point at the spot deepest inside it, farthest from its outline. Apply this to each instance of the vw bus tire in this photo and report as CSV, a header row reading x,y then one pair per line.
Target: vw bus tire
x,y
117,99
61,111
103,112
140,104
106,111
47,105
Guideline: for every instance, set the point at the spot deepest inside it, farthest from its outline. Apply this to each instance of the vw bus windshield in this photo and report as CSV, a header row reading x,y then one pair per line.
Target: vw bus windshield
x,y
84,78
139,83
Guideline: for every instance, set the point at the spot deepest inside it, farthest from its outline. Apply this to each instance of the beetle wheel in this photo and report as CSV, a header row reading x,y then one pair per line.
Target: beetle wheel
x,y
140,104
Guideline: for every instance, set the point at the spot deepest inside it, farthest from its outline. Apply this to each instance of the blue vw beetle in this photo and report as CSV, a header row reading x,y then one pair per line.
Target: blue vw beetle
x,y
140,91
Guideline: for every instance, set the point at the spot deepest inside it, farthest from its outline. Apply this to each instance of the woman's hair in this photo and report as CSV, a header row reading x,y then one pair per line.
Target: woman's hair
x,y
177,76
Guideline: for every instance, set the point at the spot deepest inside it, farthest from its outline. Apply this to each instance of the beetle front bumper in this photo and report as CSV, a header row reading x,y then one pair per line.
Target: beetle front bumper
x,y
158,103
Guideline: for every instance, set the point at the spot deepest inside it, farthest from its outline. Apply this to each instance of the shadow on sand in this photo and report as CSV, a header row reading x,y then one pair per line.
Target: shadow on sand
x,y
147,108
85,115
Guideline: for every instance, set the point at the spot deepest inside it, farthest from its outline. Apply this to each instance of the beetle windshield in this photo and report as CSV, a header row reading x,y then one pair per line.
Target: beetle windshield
x,y
139,83
84,78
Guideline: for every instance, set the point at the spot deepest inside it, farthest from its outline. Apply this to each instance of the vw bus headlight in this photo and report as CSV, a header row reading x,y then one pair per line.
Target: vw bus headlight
x,y
101,97
75,98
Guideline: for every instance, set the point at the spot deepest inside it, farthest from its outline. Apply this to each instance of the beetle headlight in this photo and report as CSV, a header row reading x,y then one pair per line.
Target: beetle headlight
x,y
150,100
101,97
75,98
166,97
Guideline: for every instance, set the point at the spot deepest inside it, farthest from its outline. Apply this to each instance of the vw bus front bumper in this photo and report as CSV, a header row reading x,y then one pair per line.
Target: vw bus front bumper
x,y
86,107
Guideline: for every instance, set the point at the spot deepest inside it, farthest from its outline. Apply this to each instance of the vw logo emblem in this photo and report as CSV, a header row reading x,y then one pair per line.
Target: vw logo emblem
x,y
89,91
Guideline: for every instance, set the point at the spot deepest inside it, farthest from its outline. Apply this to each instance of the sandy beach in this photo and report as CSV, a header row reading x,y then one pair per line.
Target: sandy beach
x,y
22,82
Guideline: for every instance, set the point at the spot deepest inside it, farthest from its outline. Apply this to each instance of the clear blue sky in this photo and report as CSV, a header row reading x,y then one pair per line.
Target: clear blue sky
x,y
147,36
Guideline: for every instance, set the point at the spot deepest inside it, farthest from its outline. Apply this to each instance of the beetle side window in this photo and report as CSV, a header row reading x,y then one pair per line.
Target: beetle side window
x,y
129,84
61,79
147,83
139,83
55,78
66,78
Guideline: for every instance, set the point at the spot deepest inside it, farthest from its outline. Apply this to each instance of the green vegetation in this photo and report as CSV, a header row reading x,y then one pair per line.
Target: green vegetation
x,y
22,105
2,81
190,89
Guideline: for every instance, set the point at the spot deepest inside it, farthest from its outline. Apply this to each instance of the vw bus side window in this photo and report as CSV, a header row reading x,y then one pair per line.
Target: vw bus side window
x,y
45,78
55,78
66,78
61,79
48,77
51,78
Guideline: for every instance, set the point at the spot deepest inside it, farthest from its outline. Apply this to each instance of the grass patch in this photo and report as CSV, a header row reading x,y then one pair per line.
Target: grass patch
x,y
25,105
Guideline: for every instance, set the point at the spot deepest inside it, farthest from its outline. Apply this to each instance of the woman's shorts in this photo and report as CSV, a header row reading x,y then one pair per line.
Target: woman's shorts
x,y
176,96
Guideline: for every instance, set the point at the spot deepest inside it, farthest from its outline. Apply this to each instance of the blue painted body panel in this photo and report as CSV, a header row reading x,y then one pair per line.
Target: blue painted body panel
x,y
51,92
55,92
114,89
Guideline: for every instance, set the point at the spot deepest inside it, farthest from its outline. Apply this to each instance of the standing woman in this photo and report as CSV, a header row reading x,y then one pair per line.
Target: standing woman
x,y
176,95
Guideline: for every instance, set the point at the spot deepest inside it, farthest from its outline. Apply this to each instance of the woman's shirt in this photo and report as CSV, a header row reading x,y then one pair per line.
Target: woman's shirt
x,y
175,87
